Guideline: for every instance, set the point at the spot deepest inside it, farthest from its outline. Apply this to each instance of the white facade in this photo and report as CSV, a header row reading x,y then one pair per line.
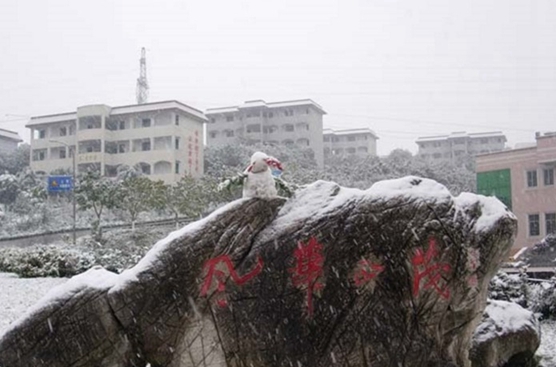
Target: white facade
x,y
281,123
447,148
359,142
8,141
164,139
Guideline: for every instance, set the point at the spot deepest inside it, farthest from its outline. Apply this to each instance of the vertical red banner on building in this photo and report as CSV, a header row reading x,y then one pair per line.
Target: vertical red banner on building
x,y
196,151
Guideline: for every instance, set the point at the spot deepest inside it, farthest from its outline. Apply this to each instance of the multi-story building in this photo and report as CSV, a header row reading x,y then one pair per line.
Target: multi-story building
x,y
360,142
524,180
163,139
447,148
281,123
8,141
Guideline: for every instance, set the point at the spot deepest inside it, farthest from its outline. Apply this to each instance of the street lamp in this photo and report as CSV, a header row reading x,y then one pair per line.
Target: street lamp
x,y
73,170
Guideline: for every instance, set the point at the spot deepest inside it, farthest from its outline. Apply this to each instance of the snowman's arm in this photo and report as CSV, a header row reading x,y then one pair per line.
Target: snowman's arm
x,y
231,183
285,187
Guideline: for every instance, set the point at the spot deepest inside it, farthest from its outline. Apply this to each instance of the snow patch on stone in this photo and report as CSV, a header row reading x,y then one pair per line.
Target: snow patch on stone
x,y
412,187
492,209
503,318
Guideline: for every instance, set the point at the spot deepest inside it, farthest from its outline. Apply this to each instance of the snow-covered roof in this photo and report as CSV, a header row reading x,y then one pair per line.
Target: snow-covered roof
x,y
345,132
121,110
10,135
460,134
262,103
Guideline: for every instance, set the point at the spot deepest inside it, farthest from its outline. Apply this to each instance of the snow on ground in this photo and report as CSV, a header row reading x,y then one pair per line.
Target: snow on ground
x,y
17,295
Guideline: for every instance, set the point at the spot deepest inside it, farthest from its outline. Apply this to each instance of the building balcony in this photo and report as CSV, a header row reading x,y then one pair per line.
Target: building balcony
x,y
90,134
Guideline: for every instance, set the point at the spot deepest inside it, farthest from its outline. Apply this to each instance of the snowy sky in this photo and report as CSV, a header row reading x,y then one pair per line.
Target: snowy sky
x,y
404,68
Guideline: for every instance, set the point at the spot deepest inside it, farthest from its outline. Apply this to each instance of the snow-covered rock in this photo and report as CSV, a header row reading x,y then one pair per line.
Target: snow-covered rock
x,y
395,275
508,335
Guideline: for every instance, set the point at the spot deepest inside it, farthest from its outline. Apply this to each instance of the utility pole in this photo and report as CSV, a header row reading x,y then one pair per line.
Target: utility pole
x,y
142,90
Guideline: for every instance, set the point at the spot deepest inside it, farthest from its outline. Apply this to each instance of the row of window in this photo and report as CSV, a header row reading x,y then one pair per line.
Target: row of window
x,y
257,113
256,128
340,151
335,139
110,148
460,141
535,221
90,124
548,177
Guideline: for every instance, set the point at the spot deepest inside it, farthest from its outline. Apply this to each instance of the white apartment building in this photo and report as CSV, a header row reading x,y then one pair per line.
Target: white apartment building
x,y
447,148
281,123
8,141
164,139
359,142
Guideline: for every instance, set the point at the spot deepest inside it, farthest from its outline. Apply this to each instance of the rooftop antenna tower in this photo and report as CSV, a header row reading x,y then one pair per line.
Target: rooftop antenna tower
x,y
142,90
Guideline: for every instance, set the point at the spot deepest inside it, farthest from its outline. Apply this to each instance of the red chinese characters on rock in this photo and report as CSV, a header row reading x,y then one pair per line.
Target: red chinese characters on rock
x,y
308,269
428,273
366,271
218,270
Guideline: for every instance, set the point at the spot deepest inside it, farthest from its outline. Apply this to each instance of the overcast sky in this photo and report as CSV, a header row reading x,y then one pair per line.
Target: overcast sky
x,y
404,68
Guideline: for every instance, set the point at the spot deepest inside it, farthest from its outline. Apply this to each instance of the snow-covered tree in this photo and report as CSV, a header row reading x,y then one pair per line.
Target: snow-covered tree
x,y
96,193
15,161
138,194
9,189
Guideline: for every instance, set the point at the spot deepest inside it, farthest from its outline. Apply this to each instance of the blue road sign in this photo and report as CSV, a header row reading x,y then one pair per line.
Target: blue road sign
x,y
60,183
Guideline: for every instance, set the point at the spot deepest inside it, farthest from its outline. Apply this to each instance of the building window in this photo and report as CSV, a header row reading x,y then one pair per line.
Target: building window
x,y
121,148
63,131
229,133
550,222
548,176
270,115
177,120
89,149
484,141
351,150
146,122
534,229
326,138
212,120
72,130
253,128
39,155
288,127
121,125
212,134
146,146
177,169
177,143
437,155
229,118
62,153
288,112
306,111
40,134
351,138
532,178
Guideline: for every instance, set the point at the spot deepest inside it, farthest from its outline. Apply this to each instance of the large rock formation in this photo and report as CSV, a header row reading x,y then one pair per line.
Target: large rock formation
x,y
508,336
393,276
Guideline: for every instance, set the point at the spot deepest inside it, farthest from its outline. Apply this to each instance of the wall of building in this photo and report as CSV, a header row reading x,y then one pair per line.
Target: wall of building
x,y
7,145
303,128
526,200
349,144
173,142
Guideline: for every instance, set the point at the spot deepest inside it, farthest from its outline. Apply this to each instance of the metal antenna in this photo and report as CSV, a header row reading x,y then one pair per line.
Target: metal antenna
x,y
142,91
